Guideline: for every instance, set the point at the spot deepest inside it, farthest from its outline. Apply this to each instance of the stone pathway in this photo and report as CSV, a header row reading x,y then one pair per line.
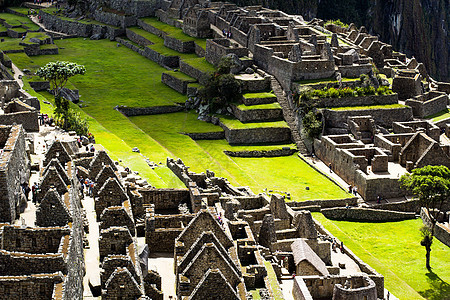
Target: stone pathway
x,y
288,115
91,254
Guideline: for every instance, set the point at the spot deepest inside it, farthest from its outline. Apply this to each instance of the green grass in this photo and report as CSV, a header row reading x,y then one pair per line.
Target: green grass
x,y
274,105
22,10
181,76
10,44
201,64
15,20
393,249
444,114
236,124
258,95
48,46
389,106
174,32
136,82
36,35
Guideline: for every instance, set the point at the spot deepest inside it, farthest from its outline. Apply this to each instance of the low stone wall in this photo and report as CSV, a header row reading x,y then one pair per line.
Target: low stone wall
x,y
422,109
255,85
39,85
54,23
218,135
175,83
113,19
444,87
178,45
324,203
257,135
200,51
155,110
441,232
365,214
404,206
260,115
162,240
164,198
261,153
194,73
383,117
358,101
162,60
257,101
138,39
28,119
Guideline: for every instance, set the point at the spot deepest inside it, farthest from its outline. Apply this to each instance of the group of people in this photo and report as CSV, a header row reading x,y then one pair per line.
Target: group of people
x,y
86,184
335,245
353,190
226,33
44,119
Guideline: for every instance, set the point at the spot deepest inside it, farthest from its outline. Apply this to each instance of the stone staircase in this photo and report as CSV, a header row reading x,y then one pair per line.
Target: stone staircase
x,y
288,114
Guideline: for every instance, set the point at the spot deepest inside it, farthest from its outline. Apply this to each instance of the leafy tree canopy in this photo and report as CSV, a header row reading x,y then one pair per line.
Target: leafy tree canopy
x,y
58,73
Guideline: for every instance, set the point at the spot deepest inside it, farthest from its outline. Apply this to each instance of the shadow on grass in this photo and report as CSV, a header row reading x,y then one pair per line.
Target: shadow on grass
x,y
440,290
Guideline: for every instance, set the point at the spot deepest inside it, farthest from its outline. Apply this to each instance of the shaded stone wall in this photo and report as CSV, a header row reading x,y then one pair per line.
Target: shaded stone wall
x,y
19,263
14,170
39,287
366,214
441,232
32,240
383,117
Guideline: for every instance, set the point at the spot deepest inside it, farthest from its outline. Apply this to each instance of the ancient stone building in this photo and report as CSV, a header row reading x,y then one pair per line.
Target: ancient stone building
x,y
14,171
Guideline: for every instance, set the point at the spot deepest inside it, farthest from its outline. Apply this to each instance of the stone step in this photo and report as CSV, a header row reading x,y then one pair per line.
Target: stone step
x,y
237,132
177,81
258,113
258,98
288,115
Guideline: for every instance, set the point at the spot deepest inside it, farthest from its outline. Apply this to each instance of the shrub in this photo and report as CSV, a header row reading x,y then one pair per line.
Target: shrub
x,y
312,125
332,93
337,22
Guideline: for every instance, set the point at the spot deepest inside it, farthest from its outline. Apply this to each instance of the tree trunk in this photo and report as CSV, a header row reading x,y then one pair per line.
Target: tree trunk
x,y
428,248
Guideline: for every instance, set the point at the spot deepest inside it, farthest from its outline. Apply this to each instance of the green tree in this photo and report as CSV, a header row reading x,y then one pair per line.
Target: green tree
x,y
431,184
222,87
58,73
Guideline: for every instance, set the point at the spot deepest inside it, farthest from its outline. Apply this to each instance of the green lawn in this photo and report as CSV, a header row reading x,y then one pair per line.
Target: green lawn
x,y
181,76
201,64
393,249
236,124
258,95
10,44
22,10
439,116
274,105
136,81
15,20
324,80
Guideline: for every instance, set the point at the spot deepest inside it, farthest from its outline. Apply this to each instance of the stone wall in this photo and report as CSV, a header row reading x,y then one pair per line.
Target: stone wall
x,y
217,48
117,20
261,115
261,153
383,117
365,214
14,170
441,232
162,60
165,198
28,119
38,287
32,240
19,263
187,69
175,83
428,104
75,259
358,101
162,239
257,135
154,110
79,29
